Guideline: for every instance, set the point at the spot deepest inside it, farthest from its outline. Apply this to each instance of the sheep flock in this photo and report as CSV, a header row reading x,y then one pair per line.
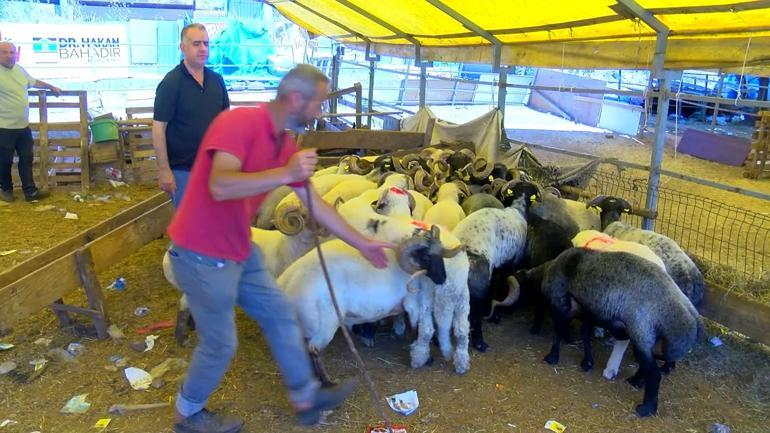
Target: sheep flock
x,y
478,241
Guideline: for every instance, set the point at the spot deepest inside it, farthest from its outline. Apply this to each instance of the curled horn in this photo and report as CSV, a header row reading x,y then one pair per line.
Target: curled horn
x,y
514,291
469,153
427,153
404,252
555,191
441,167
420,178
463,187
412,202
360,166
480,169
290,220
434,187
498,185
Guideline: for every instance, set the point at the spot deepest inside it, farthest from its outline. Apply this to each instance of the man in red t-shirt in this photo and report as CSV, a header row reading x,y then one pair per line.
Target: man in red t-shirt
x,y
245,154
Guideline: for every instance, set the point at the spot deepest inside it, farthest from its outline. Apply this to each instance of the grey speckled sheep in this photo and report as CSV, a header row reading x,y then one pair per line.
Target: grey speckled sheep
x,y
679,266
627,295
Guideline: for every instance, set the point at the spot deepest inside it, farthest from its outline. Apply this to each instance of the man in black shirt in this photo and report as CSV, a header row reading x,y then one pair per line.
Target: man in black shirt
x,y
186,101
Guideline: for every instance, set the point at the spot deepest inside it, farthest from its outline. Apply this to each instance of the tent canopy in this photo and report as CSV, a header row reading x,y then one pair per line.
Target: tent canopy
x,y
588,34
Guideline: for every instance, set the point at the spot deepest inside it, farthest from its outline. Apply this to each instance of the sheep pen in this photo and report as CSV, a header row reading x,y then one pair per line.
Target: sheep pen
x,y
508,389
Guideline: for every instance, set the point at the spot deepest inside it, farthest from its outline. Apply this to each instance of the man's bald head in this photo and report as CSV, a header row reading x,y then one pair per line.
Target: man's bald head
x,y
7,54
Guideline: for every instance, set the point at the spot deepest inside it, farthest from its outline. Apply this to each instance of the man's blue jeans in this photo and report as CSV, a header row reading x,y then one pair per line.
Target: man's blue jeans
x,y
181,177
213,287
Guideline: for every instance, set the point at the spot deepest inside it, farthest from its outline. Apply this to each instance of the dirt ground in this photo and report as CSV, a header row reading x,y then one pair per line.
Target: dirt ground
x,y
509,389
30,228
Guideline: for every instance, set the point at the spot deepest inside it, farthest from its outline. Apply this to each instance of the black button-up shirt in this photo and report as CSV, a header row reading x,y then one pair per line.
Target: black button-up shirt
x,y
188,108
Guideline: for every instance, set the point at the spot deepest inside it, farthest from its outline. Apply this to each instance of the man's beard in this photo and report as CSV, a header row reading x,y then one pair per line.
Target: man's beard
x,y
297,124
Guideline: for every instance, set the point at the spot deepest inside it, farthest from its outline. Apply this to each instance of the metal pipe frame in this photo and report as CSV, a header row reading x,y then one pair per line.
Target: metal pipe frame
x,y
661,43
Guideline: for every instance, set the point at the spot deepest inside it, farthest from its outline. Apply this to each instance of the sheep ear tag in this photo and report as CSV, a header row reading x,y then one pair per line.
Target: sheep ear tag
x,y
627,210
509,191
491,178
599,208
532,198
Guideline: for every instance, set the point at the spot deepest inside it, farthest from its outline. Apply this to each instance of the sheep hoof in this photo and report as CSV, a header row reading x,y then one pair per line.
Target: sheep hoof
x,y
637,381
587,365
644,410
494,318
667,367
184,324
368,341
610,373
481,346
551,358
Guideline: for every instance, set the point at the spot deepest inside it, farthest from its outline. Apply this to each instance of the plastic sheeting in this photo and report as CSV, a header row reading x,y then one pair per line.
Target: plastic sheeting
x,y
585,34
484,131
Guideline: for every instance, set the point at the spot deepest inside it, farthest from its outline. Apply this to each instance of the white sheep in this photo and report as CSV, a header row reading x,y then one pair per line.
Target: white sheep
x,y
598,241
364,293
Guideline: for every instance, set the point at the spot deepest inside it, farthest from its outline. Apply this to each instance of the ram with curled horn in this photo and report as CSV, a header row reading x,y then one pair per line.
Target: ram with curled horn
x,y
479,171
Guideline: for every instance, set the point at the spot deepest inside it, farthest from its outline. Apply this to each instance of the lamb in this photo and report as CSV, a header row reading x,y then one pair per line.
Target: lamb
x,y
628,295
365,293
678,264
447,211
493,238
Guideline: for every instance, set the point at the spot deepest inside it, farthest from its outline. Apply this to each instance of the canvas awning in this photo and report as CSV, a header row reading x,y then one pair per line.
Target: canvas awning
x,y
704,34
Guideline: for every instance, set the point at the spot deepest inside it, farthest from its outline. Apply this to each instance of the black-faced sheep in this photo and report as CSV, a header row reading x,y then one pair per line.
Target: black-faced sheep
x,y
631,297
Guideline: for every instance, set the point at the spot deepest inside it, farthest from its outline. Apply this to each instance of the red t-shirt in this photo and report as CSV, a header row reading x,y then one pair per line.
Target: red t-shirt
x,y
222,228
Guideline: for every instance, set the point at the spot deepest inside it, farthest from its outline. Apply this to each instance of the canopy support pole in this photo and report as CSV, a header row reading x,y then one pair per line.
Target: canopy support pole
x,y
656,160
423,84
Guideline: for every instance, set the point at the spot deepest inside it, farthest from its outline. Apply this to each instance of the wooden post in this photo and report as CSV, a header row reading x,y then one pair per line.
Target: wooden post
x,y
64,318
93,289
719,95
43,140
359,103
85,170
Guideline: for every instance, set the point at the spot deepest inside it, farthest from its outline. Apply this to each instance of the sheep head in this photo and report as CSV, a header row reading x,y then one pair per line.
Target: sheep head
x,y
460,159
516,191
395,179
424,252
393,197
609,208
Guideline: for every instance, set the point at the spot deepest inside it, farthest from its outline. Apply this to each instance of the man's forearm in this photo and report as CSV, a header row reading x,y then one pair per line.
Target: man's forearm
x,y
43,85
229,185
159,144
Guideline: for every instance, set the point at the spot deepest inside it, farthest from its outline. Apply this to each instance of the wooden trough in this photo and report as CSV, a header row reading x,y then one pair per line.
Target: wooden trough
x,y
44,279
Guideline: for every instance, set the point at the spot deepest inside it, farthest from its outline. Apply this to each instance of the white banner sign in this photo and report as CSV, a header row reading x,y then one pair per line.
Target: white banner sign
x,y
78,51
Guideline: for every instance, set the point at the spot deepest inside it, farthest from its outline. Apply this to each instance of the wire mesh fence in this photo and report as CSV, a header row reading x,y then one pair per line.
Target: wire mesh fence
x,y
731,244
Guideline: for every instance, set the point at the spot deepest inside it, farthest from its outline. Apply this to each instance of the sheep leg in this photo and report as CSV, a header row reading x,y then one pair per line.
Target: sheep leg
x,y
320,370
667,367
461,329
399,325
184,322
561,328
616,357
475,316
650,375
420,350
367,334
587,364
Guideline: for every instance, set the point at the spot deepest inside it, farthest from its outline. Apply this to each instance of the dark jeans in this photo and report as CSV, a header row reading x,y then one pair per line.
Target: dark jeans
x,y
19,141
